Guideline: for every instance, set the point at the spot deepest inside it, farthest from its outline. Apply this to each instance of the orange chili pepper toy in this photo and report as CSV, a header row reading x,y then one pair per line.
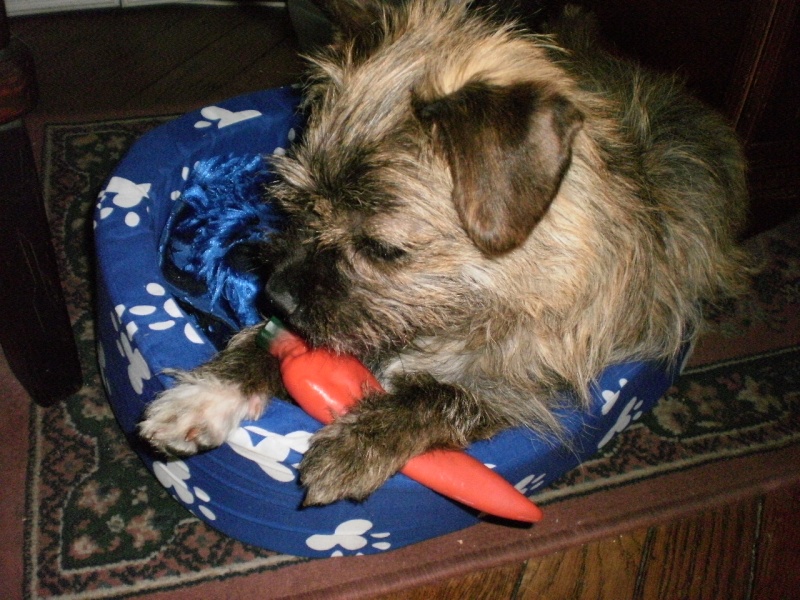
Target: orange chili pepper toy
x,y
326,385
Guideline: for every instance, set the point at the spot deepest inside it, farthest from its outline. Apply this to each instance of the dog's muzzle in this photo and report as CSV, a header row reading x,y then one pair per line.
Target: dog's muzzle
x,y
303,280
282,293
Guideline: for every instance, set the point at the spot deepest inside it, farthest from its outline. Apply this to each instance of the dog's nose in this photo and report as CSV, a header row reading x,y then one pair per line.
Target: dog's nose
x,y
280,294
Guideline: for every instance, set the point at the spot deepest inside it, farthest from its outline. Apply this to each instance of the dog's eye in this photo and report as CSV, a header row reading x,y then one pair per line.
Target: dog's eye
x,y
378,250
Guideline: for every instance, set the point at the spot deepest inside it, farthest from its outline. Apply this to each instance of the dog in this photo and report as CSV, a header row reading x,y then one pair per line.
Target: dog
x,y
485,217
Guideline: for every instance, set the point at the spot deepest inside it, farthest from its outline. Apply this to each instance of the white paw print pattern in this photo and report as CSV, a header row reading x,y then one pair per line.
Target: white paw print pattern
x,y
175,475
351,535
164,321
610,398
530,483
630,413
224,117
271,451
176,194
138,370
290,137
126,195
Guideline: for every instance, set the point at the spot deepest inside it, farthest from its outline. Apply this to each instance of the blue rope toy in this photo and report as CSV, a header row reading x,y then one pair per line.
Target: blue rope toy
x,y
210,240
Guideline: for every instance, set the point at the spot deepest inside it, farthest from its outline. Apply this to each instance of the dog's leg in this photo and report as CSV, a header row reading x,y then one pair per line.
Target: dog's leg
x,y
354,455
205,405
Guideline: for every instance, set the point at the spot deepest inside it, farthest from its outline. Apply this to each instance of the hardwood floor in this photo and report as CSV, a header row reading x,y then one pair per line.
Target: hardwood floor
x,y
156,60
746,550
172,59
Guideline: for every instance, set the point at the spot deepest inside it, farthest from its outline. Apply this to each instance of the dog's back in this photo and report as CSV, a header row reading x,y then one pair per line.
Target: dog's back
x,y
667,128
684,160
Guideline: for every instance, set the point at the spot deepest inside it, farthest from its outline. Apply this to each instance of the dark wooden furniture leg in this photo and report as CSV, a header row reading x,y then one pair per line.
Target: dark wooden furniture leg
x,y
35,331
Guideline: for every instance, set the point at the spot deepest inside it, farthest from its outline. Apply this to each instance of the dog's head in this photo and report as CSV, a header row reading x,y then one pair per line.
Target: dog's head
x,y
436,143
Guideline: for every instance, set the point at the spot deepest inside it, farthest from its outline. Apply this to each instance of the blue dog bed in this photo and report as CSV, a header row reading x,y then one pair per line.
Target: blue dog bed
x,y
159,309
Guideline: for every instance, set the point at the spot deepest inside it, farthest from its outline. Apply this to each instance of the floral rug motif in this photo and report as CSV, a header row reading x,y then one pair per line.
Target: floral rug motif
x,y
100,526
714,412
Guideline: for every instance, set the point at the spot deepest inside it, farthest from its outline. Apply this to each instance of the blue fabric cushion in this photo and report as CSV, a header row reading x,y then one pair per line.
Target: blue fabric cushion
x,y
152,318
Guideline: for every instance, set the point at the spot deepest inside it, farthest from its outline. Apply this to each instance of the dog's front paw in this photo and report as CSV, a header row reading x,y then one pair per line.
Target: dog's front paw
x,y
196,414
343,462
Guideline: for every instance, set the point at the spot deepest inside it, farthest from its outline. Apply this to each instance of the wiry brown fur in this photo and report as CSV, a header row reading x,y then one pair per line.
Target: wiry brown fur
x,y
484,216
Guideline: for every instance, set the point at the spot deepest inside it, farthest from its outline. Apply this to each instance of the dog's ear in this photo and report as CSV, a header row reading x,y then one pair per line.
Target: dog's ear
x,y
508,148
356,25
351,17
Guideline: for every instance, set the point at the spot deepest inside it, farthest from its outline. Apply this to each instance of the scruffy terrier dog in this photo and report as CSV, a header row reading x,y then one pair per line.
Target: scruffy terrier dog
x,y
484,217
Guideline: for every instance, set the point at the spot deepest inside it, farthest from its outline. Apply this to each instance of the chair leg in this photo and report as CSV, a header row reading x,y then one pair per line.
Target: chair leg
x,y
35,331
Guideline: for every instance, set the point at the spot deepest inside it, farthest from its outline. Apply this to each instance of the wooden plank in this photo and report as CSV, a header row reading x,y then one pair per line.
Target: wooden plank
x,y
491,584
278,65
92,42
704,556
777,569
161,56
208,73
603,570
